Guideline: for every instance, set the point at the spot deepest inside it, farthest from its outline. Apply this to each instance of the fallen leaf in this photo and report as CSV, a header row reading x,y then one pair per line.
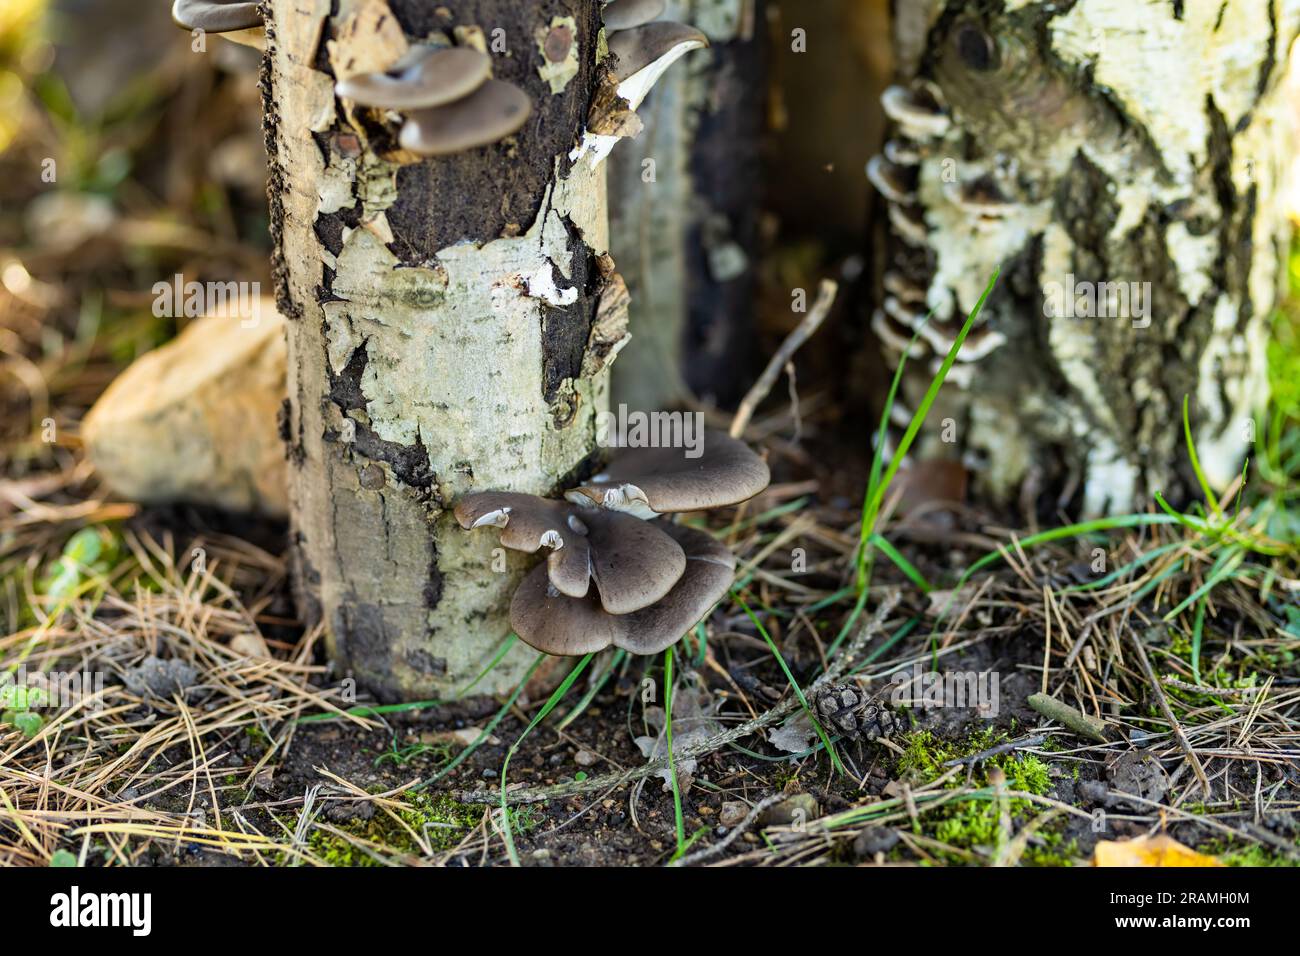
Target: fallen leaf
x,y
795,735
1149,851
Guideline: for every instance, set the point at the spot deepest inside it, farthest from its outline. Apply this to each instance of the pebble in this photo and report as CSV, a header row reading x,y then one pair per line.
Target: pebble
x,y
732,812
585,758
874,840
802,807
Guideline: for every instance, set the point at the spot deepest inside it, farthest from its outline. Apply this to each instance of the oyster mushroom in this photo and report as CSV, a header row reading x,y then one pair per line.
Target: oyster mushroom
x,y
645,52
491,113
424,78
642,54
625,14
448,101
647,482
558,624
634,563
235,20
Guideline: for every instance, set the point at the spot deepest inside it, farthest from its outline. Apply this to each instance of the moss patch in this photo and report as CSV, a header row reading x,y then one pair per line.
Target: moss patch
x,y
440,821
970,823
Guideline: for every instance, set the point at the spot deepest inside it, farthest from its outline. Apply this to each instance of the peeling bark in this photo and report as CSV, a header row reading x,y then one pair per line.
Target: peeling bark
x,y
686,242
1136,144
442,335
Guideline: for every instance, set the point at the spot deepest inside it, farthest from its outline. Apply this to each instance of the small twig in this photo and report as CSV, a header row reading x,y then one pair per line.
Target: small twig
x,y
1211,691
1063,713
1163,701
999,749
801,333
699,856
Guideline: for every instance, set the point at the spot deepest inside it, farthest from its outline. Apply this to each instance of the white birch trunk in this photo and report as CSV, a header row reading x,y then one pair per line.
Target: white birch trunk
x,y
1139,144
440,317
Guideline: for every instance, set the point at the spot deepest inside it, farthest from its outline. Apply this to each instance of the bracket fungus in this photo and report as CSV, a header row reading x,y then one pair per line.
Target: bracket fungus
x,y
424,78
235,20
643,49
654,579
447,98
626,14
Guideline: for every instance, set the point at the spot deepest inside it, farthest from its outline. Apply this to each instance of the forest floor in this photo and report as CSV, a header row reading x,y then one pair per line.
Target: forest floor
x,y
219,736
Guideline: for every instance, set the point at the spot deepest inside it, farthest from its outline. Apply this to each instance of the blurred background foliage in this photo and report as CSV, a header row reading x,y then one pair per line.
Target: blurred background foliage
x,y
125,157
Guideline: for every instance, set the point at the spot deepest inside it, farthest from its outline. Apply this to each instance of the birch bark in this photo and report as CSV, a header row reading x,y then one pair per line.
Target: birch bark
x,y
1138,150
445,327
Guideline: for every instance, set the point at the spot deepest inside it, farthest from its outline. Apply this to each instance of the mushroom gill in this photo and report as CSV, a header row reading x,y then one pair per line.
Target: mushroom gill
x,y
557,624
634,563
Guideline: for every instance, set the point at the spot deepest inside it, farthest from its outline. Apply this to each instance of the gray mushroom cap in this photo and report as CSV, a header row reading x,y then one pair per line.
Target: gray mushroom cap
x,y
634,563
561,625
426,77
641,46
625,14
492,112
652,481
214,16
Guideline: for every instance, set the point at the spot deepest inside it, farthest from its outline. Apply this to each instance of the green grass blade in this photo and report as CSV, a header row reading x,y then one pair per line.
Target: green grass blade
x,y
794,684
508,643
902,563
1210,500
871,508
507,833
678,820
615,660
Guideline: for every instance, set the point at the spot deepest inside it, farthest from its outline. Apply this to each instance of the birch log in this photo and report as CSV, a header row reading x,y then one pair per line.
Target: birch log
x,y
684,206
1122,163
445,334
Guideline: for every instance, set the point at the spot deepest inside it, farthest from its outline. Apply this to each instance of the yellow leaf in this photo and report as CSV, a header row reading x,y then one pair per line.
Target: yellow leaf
x,y
1148,851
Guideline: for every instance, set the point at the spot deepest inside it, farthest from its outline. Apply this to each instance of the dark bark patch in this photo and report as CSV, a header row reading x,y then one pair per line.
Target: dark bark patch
x,y
565,330
1266,68
495,190
720,349
363,641
410,463
424,662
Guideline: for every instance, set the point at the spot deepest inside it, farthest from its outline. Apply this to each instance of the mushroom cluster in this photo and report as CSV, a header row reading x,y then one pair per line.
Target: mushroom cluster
x,y
639,39
236,20
920,119
447,99
654,580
